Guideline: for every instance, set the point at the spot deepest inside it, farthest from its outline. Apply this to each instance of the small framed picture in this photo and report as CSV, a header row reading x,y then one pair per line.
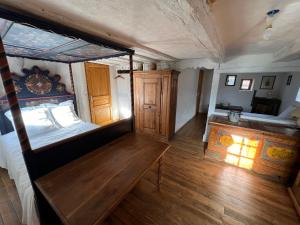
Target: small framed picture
x,y
246,84
230,80
289,80
267,82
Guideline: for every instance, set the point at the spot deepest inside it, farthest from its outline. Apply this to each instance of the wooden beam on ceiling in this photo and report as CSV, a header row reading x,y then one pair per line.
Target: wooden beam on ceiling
x,y
198,21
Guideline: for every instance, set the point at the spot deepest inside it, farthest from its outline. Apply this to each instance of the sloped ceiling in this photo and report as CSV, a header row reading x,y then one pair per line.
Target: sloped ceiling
x,y
241,24
180,29
164,30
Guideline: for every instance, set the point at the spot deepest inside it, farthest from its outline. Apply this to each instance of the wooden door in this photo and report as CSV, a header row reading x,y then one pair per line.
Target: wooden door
x,y
199,90
149,103
98,83
173,104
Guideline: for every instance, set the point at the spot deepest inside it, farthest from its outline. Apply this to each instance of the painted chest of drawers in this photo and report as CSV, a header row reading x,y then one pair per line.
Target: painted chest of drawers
x,y
266,149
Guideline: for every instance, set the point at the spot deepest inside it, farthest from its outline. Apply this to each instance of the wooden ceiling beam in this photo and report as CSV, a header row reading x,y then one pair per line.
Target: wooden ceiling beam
x,y
196,17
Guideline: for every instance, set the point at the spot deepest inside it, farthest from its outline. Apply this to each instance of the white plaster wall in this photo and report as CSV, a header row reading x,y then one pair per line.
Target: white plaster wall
x,y
205,93
81,91
262,63
212,101
186,97
257,64
114,93
234,96
288,93
124,96
207,63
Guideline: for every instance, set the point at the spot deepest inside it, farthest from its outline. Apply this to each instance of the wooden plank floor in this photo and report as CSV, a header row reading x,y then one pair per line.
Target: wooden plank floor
x,y
193,191
197,191
10,206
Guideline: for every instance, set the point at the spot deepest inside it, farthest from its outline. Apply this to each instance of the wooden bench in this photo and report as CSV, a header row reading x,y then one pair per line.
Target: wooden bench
x,y
86,190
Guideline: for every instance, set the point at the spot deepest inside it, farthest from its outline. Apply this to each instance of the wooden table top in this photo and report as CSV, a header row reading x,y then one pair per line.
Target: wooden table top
x,y
266,128
86,190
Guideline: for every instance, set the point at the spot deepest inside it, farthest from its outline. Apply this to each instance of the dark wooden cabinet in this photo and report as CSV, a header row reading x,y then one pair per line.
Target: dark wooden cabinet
x,y
155,98
268,106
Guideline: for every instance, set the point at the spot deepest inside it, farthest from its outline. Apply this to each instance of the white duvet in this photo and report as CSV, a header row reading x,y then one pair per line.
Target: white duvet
x,y
259,117
11,158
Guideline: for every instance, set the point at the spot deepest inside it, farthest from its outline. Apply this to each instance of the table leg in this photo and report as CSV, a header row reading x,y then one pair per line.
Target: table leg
x,y
159,173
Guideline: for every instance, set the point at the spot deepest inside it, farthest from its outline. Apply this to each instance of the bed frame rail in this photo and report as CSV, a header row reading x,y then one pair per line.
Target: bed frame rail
x,y
43,160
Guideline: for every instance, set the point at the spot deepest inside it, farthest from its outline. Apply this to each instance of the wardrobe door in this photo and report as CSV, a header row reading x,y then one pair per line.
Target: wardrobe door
x,y
150,104
165,104
173,105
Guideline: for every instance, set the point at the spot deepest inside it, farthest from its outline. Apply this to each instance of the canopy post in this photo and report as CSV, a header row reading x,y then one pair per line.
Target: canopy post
x,y
73,87
9,87
132,90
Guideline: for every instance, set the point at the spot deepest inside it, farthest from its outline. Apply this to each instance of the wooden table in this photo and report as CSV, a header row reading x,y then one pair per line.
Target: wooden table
x,y
86,190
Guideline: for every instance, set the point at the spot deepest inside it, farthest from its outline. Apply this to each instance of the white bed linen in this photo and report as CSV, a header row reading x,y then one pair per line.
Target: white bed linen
x,y
258,117
11,159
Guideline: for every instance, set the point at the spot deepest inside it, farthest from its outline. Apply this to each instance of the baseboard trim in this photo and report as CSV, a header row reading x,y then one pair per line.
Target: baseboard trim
x,y
294,200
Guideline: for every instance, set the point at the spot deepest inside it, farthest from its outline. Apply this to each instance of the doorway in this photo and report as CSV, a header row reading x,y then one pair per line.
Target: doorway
x,y
199,91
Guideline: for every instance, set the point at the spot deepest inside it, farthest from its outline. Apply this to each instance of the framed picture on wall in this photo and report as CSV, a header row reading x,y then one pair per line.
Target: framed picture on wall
x,y
289,80
246,84
267,82
230,80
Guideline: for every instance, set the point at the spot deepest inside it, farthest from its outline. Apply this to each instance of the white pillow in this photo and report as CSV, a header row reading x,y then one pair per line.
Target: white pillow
x,y
64,114
286,114
36,120
53,105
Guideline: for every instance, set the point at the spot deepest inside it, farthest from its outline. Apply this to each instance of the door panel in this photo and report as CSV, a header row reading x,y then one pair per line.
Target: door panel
x,y
149,102
98,83
102,114
149,120
150,93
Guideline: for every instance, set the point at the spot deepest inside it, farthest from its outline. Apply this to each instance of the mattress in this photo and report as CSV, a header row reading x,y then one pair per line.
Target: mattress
x,y
11,158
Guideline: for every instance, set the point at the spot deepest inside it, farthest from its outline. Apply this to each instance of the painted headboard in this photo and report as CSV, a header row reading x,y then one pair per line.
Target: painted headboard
x,y
34,87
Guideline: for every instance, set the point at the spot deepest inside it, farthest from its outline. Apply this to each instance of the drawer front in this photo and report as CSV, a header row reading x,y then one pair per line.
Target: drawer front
x,y
279,152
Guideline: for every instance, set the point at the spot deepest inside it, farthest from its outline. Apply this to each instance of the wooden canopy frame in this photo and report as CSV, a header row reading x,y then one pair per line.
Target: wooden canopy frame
x,y
41,161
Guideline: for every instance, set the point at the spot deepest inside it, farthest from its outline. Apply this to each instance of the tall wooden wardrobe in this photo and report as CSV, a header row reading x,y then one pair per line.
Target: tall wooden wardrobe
x,y
155,98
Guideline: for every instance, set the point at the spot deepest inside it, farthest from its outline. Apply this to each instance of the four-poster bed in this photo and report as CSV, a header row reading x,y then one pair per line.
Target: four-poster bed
x,y
30,37
39,93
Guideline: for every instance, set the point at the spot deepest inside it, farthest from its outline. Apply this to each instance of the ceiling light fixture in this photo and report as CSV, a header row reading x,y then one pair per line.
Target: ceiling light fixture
x,y
269,20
